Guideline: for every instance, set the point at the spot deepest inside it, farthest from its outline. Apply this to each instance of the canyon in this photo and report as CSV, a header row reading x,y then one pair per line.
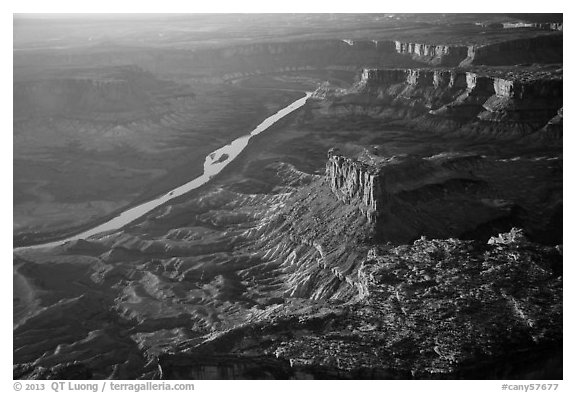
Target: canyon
x,y
405,222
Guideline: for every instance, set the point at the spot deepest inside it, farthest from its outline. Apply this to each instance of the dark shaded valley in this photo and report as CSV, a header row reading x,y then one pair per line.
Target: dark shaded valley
x,y
404,223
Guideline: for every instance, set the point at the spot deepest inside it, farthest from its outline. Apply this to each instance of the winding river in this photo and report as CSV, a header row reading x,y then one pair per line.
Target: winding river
x,y
214,163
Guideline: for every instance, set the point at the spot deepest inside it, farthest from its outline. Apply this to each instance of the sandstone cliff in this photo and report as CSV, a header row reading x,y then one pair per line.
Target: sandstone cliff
x,y
539,49
351,179
552,26
444,55
448,194
505,104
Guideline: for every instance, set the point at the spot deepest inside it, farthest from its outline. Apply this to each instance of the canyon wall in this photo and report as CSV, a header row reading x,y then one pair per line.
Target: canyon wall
x,y
520,103
551,26
444,195
351,180
445,55
540,49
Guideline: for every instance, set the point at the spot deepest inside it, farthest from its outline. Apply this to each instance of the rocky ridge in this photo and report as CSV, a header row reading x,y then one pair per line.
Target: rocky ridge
x,y
539,49
448,100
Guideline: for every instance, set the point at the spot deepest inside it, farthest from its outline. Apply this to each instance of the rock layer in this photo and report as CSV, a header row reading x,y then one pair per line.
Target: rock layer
x,y
507,105
350,180
444,55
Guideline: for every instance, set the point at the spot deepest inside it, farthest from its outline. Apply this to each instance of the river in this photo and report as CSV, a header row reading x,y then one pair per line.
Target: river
x,y
214,163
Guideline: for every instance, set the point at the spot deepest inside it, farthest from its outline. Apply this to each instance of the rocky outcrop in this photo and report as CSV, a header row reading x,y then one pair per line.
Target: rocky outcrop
x,y
552,26
420,78
384,46
439,78
417,92
519,104
402,196
351,180
529,102
531,89
539,49
557,26
383,76
441,55
511,86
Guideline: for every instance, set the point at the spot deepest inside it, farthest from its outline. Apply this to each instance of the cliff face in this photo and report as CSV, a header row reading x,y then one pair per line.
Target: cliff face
x,y
378,76
475,100
351,180
539,49
551,26
510,87
444,55
551,89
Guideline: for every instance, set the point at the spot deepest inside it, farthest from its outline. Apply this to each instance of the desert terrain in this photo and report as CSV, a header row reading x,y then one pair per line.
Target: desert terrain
x,y
404,223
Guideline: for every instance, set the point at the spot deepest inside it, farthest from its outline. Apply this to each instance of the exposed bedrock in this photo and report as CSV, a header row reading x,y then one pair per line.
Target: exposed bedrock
x,y
351,179
445,55
455,99
531,89
510,87
540,49
551,26
445,195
